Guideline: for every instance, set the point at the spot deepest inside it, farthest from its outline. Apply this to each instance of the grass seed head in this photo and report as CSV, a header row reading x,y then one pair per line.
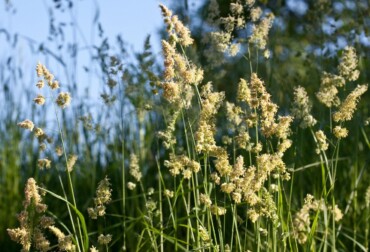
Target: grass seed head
x,y
63,100
26,124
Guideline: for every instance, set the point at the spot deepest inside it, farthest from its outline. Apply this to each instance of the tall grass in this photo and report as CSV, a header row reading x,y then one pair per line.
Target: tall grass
x,y
173,163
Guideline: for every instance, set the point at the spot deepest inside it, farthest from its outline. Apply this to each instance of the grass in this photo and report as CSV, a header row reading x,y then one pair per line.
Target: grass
x,y
172,163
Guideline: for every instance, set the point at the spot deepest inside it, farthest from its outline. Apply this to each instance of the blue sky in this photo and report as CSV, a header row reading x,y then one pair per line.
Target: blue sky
x,y
132,19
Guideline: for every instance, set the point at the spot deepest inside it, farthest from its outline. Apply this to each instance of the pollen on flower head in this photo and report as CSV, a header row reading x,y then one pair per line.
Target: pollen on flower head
x,y
216,210
175,27
204,234
348,106
59,151
39,69
215,178
182,31
255,13
236,8
322,145
205,200
328,91
103,197
260,31
187,173
39,100
337,213
169,62
244,93
32,222
367,197
227,187
234,49
22,236
348,64
43,163
131,186
104,239
26,124
340,132
302,108
266,54
165,11
151,205
40,84
250,2
253,215
38,132
54,85
93,249
168,193
65,243
71,162
63,99
134,168
150,191
171,92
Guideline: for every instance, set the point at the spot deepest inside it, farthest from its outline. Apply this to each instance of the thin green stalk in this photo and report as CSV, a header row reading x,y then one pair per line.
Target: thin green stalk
x,y
160,215
123,193
220,235
152,238
175,212
70,184
367,221
250,60
235,224
188,218
290,220
123,172
257,232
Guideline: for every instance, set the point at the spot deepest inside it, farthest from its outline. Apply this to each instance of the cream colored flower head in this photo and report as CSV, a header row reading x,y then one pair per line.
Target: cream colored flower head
x,y
26,124
40,84
168,193
104,239
348,64
131,186
63,100
43,163
71,162
39,100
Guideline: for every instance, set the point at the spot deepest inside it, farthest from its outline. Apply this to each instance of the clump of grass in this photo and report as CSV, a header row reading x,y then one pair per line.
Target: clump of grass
x,y
218,179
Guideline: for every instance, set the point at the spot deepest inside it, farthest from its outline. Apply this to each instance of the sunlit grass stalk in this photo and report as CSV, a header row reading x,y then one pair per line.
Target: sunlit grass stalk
x,y
123,192
280,210
292,242
160,199
208,191
171,207
188,229
323,167
367,221
220,233
187,205
192,187
70,186
258,222
123,168
334,172
175,226
150,232
235,226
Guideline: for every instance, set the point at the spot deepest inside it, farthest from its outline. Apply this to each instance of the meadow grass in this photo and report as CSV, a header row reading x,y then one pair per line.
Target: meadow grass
x,y
185,166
